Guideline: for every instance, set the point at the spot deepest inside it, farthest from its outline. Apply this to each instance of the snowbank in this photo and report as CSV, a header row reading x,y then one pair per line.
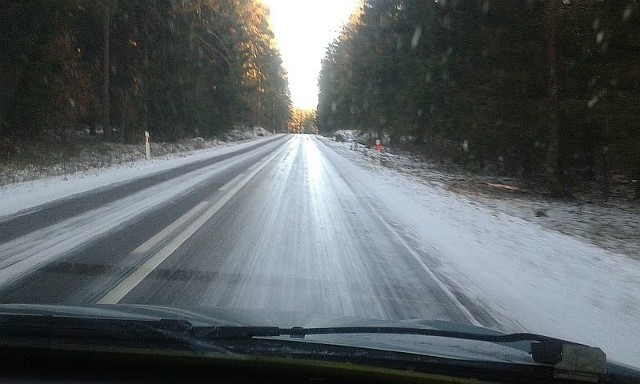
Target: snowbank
x,y
542,280
246,133
23,196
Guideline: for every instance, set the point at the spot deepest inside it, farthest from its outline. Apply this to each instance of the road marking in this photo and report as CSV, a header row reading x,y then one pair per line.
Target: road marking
x,y
131,281
418,258
254,166
152,242
231,182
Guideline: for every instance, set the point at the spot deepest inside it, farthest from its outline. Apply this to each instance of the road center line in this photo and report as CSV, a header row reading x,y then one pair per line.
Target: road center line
x,y
152,242
231,182
131,281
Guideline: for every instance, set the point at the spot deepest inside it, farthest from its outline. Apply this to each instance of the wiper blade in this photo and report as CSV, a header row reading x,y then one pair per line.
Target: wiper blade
x,y
162,333
51,326
547,350
571,360
497,338
120,328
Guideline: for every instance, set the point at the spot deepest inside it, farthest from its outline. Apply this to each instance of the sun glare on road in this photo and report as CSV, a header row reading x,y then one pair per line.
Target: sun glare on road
x,y
303,29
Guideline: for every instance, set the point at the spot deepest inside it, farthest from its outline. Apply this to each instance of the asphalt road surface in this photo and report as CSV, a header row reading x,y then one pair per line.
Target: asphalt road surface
x,y
278,226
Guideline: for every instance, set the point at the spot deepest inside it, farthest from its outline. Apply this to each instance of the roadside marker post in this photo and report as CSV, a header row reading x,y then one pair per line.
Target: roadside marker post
x,y
378,146
378,151
147,146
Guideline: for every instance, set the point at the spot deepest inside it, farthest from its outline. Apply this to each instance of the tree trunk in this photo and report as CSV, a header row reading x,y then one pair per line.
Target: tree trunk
x,y
106,124
637,177
553,148
605,176
145,65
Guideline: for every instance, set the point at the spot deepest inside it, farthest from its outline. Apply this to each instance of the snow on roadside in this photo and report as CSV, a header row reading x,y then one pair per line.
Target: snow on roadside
x,y
546,281
614,225
246,133
23,196
91,155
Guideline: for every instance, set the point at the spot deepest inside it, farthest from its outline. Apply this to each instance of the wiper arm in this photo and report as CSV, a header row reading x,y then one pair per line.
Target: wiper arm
x,y
571,360
547,350
497,338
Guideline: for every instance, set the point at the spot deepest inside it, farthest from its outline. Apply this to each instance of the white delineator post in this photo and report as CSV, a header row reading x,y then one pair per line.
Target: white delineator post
x,y
147,146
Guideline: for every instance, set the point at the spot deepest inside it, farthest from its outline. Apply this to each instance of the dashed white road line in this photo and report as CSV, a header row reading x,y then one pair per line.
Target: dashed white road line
x,y
232,182
152,242
131,281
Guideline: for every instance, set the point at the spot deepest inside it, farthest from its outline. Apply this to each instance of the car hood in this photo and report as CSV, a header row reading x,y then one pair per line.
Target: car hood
x,y
517,352
430,346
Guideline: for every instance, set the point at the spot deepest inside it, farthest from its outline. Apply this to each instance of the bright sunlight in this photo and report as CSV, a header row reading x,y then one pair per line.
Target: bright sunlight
x,y
303,29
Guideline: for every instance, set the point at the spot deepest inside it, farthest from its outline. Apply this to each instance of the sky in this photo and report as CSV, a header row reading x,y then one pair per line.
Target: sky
x,y
304,29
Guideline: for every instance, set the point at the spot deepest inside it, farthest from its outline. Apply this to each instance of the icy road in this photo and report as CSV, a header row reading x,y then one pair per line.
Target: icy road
x,y
288,224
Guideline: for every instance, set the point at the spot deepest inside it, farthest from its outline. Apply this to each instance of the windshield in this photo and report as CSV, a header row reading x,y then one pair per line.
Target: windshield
x,y
471,162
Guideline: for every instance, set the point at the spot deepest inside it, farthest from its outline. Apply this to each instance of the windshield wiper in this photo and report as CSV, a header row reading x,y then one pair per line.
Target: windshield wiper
x,y
570,359
545,349
497,338
139,332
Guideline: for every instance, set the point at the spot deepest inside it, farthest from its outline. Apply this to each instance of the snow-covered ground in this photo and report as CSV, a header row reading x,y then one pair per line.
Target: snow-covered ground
x,y
543,280
613,225
91,155
18,197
